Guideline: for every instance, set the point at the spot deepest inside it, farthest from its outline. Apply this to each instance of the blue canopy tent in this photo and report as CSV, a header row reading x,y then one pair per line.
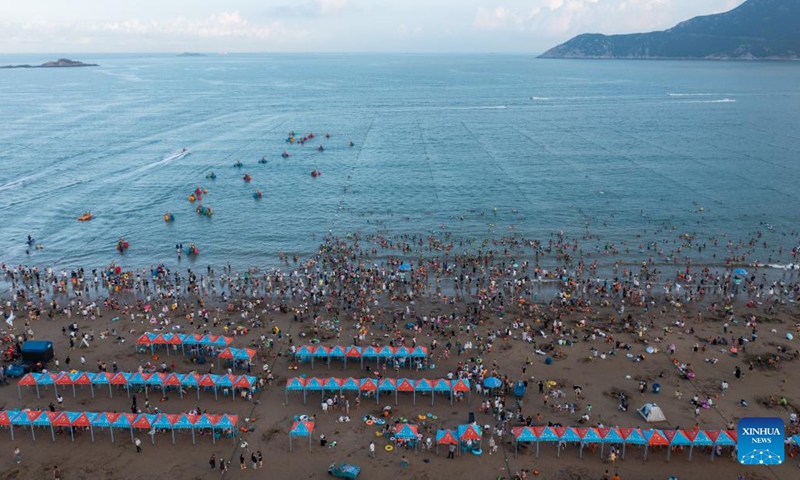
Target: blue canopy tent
x,y
301,428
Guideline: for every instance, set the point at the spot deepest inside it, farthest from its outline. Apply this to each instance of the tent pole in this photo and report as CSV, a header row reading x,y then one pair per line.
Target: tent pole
x,y
91,431
112,433
537,448
691,447
580,451
37,391
33,434
91,387
52,433
173,436
74,395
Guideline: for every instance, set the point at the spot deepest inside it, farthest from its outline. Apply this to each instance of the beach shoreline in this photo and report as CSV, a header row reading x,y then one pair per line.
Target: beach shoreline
x,y
578,327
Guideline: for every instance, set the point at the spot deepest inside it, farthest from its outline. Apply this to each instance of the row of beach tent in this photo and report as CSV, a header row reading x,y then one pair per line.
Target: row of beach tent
x,y
623,436
376,386
338,352
128,379
112,420
152,338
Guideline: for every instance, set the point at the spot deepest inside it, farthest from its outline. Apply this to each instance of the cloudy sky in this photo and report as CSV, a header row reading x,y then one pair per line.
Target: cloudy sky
x,y
525,26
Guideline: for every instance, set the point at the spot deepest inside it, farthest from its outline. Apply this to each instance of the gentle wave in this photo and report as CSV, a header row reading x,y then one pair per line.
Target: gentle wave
x,y
788,266
691,94
540,98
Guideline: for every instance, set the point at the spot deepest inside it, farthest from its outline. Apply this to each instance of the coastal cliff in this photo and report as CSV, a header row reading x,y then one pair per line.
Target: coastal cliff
x,y
60,63
755,30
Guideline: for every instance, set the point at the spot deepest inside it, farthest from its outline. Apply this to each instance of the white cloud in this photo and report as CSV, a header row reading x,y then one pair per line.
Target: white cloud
x,y
496,19
331,7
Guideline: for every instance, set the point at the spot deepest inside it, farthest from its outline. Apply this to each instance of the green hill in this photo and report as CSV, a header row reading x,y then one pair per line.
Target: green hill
x,y
757,29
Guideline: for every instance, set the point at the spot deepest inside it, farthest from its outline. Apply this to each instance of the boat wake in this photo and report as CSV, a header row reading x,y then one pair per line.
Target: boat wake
x,y
691,94
540,99
162,162
721,100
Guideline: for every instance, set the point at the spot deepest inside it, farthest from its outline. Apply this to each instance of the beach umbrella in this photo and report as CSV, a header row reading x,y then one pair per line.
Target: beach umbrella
x,y
740,271
492,382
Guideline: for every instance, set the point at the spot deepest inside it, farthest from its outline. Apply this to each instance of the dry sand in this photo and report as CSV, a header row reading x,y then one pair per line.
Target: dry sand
x,y
104,459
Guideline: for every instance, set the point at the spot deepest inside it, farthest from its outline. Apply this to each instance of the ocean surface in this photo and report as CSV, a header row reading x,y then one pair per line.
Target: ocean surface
x,y
480,146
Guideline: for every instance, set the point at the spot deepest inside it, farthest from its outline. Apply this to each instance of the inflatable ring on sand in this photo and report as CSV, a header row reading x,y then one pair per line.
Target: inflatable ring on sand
x,y
155,357
378,434
422,417
388,448
370,423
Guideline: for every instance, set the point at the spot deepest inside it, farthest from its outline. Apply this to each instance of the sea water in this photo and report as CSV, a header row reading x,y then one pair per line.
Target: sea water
x,y
477,146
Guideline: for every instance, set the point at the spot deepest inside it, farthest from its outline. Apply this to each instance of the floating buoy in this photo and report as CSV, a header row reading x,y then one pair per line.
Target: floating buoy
x,y
192,198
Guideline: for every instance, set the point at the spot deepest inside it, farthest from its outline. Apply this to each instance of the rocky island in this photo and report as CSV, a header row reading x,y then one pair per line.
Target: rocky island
x,y
60,63
755,30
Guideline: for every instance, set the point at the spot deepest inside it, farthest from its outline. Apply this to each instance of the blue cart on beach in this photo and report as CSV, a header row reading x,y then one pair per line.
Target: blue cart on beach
x,y
344,470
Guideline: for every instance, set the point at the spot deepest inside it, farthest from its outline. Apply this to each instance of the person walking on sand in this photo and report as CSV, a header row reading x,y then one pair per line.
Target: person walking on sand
x,y
138,444
254,460
213,462
17,455
372,449
242,463
56,473
260,459
451,451
223,466
404,462
244,445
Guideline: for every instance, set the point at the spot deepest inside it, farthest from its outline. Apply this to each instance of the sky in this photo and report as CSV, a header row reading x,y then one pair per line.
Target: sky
x,y
414,26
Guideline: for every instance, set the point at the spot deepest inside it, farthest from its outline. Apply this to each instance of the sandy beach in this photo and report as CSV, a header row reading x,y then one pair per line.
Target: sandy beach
x,y
596,334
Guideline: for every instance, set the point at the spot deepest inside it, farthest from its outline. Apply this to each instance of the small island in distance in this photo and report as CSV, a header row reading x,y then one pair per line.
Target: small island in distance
x,y
192,54
755,30
60,63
